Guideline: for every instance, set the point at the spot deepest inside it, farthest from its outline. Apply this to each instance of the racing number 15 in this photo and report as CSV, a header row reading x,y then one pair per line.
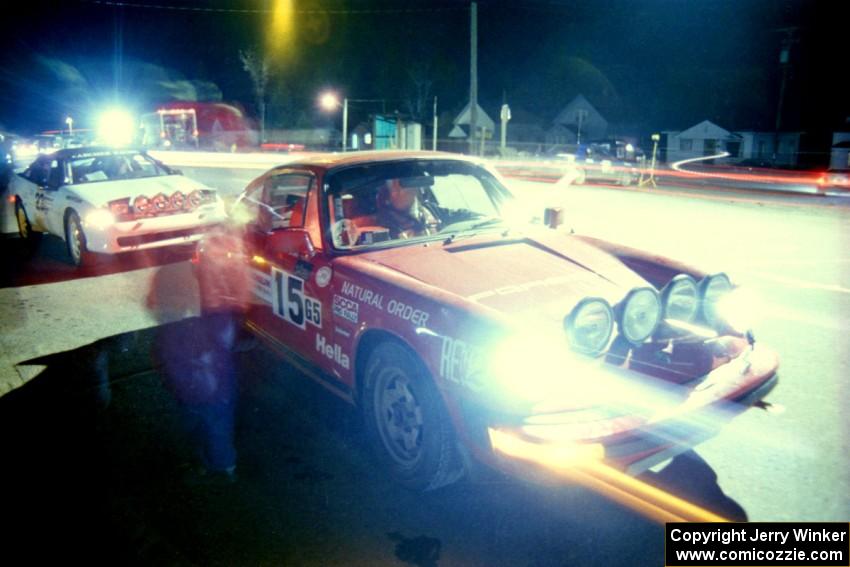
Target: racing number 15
x,y
291,304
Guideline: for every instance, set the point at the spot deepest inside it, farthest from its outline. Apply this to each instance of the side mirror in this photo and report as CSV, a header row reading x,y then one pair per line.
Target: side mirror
x,y
294,242
553,217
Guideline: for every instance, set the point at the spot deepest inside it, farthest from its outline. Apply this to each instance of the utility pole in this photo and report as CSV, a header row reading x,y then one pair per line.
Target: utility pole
x,y
473,75
785,63
434,141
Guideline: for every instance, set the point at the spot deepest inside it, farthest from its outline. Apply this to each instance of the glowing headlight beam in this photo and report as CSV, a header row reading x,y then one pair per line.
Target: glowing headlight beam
x,y
100,219
582,464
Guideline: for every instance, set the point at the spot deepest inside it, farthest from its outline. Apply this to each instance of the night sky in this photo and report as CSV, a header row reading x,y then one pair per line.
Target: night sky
x,y
650,65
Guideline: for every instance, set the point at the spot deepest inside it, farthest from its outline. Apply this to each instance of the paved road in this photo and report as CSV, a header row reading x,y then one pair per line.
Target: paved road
x,y
309,494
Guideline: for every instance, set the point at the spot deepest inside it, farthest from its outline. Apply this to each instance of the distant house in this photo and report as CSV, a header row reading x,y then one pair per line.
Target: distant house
x,y
704,139
840,155
708,139
483,121
578,121
759,146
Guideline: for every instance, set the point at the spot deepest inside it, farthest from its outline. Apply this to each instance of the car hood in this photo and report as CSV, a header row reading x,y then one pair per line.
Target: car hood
x,y
530,277
102,192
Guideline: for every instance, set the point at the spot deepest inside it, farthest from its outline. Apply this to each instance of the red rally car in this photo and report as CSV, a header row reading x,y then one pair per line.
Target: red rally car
x,y
407,284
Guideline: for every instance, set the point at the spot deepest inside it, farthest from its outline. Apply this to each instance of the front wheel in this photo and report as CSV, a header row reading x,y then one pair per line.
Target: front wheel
x,y
406,420
75,240
25,231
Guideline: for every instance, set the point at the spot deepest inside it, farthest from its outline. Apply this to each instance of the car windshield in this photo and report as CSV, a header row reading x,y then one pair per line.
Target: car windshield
x,y
395,203
113,166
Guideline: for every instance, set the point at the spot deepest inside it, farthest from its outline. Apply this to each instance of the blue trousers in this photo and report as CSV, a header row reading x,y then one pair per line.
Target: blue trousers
x,y
211,427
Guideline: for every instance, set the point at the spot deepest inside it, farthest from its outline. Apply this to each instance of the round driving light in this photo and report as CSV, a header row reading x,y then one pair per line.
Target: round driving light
x,y
712,288
177,200
159,202
141,204
681,298
589,325
193,200
640,314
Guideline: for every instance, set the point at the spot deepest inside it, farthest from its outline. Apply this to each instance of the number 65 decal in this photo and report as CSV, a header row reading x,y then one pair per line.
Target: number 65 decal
x,y
291,304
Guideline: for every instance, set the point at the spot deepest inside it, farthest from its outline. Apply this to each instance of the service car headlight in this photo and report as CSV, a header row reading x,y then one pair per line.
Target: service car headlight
x,y
740,309
640,313
100,219
712,288
680,298
589,325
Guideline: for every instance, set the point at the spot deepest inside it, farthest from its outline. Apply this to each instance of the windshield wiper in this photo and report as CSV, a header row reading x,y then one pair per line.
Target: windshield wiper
x,y
471,231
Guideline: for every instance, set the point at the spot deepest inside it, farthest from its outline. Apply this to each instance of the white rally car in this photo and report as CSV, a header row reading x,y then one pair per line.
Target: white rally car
x,y
108,200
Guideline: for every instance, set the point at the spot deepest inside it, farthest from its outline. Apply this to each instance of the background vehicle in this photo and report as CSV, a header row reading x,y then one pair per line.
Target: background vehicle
x,y
836,180
479,328
194,125
609,162
108,201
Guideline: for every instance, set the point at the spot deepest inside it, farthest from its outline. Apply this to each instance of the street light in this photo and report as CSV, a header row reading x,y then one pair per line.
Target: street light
x,y
70,122
330,101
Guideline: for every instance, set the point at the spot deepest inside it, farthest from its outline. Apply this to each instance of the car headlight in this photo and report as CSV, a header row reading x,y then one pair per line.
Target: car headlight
x,y
589,325
100,218
680,298
712,288
740,309
640,314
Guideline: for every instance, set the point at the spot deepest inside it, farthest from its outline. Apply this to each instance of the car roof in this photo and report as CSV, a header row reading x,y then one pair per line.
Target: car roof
x,y
333,160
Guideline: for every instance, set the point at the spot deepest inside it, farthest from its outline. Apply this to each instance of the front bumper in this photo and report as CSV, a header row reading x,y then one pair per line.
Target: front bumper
x,y
152,232
659,428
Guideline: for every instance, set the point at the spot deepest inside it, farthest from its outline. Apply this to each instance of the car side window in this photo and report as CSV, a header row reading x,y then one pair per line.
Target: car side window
x,y
38,172
56,177
284,201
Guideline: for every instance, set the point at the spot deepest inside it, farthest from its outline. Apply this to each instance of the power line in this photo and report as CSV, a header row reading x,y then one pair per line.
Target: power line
x,y
142,6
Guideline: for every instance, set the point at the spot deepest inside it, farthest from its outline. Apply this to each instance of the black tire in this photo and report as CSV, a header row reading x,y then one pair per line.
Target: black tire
x,y
75,240
25,231
406,421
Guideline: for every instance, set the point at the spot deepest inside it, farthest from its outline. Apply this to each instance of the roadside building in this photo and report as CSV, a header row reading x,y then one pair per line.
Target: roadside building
x,y
577,122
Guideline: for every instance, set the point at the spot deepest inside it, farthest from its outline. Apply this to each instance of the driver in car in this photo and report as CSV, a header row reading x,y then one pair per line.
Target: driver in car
x,y
401,211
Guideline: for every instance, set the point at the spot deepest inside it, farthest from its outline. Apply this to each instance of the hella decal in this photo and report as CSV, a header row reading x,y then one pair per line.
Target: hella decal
x,y
461,363
332,351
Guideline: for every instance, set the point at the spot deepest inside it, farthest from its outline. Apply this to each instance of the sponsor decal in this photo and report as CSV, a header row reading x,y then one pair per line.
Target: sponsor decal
x,y
42,201
261,285
462,364
409,313
522,287
342,332
291,303
346,308
323,276
332,351
363,295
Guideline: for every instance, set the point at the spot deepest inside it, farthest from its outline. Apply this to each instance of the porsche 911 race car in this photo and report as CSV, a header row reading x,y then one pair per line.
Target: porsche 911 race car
x,y
463,325
107,201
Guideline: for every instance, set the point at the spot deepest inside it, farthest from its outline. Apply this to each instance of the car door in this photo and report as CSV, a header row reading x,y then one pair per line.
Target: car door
x,y
49,198
296,307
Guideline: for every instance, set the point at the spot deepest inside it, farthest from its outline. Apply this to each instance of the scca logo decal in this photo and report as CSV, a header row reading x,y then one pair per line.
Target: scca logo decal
x,y
291,304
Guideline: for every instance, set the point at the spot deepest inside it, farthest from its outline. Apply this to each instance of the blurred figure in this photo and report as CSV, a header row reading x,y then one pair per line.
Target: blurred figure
x,y
400,210
198,367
